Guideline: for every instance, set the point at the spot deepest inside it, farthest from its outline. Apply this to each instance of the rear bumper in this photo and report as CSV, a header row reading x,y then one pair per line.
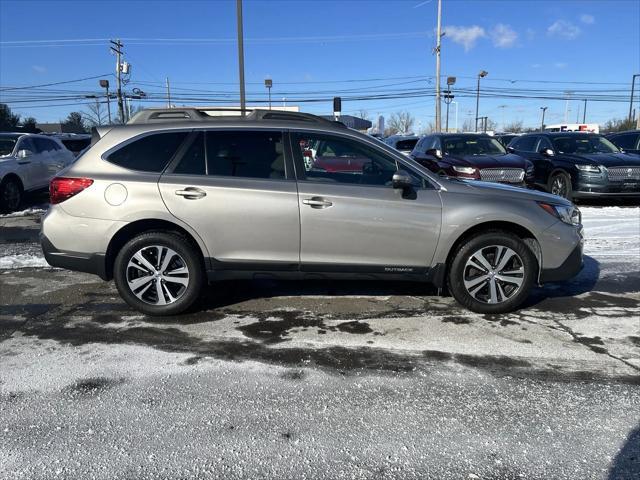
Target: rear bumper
x,y
94,263
569,268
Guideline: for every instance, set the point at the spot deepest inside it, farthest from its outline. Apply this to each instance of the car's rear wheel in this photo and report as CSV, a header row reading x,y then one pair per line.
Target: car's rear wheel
x,y
159,273
492,273
10,195
560,184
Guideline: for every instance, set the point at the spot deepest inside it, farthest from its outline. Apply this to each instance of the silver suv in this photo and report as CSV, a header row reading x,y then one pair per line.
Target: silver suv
x,y
180,198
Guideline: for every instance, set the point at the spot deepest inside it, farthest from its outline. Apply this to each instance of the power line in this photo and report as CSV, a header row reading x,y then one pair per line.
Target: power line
x,y
55,83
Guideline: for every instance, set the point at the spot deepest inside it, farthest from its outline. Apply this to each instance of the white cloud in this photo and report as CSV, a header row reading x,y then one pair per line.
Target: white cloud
x,y
466,36
587,19
564,29
39,68
503,36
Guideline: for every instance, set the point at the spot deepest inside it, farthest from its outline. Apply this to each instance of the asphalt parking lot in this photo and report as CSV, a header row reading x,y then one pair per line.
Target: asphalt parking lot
x,y
321,379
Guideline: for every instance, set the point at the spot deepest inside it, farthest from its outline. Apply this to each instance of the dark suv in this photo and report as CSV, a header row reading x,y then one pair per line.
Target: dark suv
x,y
579,165
472,156
627,141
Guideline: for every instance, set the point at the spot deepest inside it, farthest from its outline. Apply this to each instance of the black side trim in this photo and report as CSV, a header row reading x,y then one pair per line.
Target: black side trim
x,y
437,275
569,268
254,266
94,263
347,268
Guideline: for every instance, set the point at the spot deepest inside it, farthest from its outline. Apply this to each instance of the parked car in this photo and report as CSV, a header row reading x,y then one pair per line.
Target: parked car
x,y
74,142
27,163
472,156
505,138
578,165
403,143
628,141
164,207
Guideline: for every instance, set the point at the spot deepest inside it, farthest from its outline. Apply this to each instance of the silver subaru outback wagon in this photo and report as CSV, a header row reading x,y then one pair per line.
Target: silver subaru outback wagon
x,y
179,198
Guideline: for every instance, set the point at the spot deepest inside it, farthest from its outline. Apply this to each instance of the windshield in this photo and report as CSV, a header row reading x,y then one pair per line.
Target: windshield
x,y
472,146
6,145
580,144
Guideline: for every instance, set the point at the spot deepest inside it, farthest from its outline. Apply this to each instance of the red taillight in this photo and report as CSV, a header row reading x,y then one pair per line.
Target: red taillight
x,y
63,188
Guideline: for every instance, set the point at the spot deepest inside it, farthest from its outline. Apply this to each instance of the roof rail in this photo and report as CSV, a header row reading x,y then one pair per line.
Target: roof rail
x,y
199,114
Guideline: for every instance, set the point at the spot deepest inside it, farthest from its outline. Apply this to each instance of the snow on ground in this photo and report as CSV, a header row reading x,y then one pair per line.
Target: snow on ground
x,y
34,210
612,232
21,255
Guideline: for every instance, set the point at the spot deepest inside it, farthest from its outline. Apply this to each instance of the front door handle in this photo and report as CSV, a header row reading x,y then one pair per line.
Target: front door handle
x,y
317,202
191,193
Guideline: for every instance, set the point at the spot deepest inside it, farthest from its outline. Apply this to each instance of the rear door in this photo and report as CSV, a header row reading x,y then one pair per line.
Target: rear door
x,y
237,190
355,221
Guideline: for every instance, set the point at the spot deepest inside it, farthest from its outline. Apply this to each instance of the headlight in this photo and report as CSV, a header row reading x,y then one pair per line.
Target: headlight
x,y
465,170
570,214
588,168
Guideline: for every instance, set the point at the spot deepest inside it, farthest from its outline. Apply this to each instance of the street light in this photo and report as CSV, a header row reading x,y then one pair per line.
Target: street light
x,y
482,74
544,109
105,84
448,98
269,83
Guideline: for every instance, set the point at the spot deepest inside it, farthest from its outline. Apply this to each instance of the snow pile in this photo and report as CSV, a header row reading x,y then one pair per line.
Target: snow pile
x,y
22,260
35,210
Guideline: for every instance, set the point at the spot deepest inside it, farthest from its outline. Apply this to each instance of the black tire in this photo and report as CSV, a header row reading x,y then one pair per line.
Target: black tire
x,y
485,242
187,257
560,184
10,195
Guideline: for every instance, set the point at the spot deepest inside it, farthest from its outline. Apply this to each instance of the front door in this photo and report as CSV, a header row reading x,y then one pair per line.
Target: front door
x,y
235,190
351,218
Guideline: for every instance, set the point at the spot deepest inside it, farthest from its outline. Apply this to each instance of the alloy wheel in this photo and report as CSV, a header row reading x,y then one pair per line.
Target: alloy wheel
x,y
493,274
157,275
559,186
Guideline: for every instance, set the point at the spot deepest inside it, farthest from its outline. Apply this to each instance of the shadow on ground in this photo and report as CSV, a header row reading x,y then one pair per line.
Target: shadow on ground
x,y
626,464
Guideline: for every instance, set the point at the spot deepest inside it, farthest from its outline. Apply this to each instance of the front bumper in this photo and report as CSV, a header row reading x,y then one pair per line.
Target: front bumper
x,y
569,268
94,263
588,186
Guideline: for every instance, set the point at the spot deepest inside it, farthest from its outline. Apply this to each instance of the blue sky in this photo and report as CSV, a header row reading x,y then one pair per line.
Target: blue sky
x,y
541,48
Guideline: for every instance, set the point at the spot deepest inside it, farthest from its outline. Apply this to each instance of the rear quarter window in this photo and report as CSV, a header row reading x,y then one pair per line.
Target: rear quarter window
x,y
150,153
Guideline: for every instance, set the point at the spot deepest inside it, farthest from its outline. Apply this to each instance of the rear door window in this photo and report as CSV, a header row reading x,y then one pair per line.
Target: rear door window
x,y
150,153
246,154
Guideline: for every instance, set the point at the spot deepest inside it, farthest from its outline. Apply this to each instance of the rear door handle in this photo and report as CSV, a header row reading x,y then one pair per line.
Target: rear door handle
x,y
191,193
317,202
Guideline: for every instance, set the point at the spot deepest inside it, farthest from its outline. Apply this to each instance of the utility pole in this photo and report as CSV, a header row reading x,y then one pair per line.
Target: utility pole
x,y
117,49
633,84
482,74
544,109
437,51
241,56
168,93
584,112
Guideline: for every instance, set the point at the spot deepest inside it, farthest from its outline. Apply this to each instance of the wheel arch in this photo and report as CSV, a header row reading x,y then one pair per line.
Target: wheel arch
x,y
130,230
493,226
13,176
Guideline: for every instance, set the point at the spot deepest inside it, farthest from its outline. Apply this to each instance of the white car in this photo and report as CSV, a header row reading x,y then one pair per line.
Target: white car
x,y
27,163
403,143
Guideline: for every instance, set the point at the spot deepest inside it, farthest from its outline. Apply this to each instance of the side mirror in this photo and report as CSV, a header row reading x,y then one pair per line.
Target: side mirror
x,y
401,180
24,153
547,152
434,152
511,149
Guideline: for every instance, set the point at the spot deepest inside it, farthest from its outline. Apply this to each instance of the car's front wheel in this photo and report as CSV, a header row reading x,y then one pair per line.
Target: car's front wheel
x,y
560,184
492,273
159,273
10,195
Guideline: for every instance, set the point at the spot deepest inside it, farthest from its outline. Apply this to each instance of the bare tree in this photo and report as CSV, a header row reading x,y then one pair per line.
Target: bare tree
x,y
363,114
618,125
96,114
401,122
514,127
